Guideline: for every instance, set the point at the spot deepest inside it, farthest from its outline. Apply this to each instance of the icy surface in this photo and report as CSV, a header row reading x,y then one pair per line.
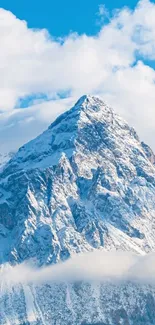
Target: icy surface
x,y
86,183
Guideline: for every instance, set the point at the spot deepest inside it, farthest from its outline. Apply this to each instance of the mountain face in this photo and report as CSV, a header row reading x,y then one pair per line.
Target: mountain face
x,y
4,158
86,183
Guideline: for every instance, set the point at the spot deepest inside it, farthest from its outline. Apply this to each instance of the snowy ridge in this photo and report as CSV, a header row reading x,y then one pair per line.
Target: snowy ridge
x,y
4,158
64,134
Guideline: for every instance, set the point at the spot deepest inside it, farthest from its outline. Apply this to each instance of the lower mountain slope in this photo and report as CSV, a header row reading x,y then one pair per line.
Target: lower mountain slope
x,y
78,304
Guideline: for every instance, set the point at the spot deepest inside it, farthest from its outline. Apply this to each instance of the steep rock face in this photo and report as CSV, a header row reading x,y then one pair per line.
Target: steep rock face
x,y
85,183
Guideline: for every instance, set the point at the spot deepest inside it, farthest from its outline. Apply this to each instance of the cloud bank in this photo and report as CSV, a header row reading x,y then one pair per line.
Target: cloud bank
x,y
38,70
98,266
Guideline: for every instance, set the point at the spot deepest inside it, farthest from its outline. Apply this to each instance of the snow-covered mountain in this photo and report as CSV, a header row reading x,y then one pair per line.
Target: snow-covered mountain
x,y
4,158
86,183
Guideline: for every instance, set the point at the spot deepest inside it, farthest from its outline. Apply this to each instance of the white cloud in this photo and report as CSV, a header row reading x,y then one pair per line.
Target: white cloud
x,y
102,10
20,125
102,14
32,62
97,266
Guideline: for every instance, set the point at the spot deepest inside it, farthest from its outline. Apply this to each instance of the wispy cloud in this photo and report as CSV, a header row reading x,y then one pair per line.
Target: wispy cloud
x,y
102,14
96,266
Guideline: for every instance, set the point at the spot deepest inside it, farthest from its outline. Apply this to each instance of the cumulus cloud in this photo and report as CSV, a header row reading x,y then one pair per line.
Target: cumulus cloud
x,y
114,64
100,266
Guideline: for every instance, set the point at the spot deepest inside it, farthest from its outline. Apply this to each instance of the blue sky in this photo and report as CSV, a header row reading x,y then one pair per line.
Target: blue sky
x,y
64,49
59,16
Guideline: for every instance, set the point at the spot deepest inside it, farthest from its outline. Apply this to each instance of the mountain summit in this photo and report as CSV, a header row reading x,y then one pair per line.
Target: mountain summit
x,y
86,183
63,134
90,126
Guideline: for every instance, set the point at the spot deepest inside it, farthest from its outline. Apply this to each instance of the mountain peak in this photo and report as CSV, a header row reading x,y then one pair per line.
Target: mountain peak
x,y
87,181
87,104
90,126
83,99
87,101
